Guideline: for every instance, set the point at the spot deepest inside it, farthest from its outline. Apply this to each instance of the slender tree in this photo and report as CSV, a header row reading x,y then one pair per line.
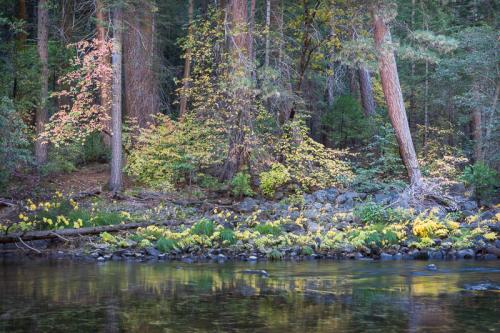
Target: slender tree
x,y
187,64
116,178
43,52
392,92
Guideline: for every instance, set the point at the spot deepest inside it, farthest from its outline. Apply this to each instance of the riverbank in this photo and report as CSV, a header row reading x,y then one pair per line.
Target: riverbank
x,y
325,224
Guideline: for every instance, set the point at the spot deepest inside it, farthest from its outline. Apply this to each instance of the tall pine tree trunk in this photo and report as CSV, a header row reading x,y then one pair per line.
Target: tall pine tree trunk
x,y
393,96
116,178
187,65
268,33
42,115
365,89
477,130
141,82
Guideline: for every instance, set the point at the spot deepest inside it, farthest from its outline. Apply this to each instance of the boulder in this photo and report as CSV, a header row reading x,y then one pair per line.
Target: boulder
x,y
312,227
465,254
469,205
247,205
386,256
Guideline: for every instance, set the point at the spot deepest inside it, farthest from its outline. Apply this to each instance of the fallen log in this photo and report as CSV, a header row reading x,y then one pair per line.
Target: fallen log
x,y
51,234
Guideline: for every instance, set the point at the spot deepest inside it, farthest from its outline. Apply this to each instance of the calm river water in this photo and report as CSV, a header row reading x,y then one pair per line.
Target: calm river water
x,y
310,296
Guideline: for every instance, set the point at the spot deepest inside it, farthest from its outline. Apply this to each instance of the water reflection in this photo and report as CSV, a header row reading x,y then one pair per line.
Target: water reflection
x,y
296,297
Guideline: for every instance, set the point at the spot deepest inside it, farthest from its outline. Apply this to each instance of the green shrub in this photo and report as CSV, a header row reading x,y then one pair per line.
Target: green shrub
x,y
209,182
166,245
240,185
307,251
170,153
268,229
373,213
203,227
14,145
482,178
227,235
275,255
273,179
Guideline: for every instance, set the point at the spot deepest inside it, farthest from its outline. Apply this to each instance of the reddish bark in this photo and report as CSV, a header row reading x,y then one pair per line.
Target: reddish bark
x,y
42,115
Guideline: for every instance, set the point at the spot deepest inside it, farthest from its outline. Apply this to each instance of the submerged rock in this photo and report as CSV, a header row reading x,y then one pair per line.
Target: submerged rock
x,y
260,272
431,267
483,286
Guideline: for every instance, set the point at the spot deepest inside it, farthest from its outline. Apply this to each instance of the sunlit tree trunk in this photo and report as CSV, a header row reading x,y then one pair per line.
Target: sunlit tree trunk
x,y
116,178
187,65
43,52
140,75
393,96
365,89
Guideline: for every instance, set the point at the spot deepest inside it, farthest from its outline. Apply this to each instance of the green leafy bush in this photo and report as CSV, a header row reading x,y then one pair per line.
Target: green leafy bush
x,y
268,229
240,185
482,178
166,245
373,213
203,227
273,179
227,235
14,144
170,153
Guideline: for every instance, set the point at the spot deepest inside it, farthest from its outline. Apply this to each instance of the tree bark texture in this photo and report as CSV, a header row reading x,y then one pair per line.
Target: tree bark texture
x,y
393,96
42,115
240,122
115,181
365,89
141,82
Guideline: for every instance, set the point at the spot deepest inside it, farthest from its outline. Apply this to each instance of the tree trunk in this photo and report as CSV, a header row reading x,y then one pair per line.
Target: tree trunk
x,y
365,89
238,152
477,131
21,15
43,52
106,82
187,65
393,96
115,181
268,33
251,50
141,82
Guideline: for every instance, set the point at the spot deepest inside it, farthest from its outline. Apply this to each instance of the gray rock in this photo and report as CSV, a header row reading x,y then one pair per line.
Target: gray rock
x,y
256,272
436,255
328,207
151,251
312,227
252,258
221,257
381,198
321,196
95,254
344,198
311,214
465,254
431,267
490,256
398,256
358,255
469,205
247,205
162,256
386,256
497,243
101,259
292,227
331,194
457,189
309,199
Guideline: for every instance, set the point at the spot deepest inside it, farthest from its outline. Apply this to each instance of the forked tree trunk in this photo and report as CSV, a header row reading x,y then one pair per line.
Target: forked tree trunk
x,y
42,115
365,89
187,65
140,75
115,180
104,97
393,96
